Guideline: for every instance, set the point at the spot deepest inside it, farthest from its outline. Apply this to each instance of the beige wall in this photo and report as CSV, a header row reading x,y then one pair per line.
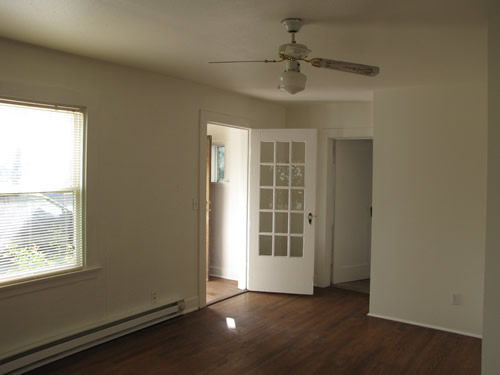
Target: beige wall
x,y
429,201
341,115
143,172
491,327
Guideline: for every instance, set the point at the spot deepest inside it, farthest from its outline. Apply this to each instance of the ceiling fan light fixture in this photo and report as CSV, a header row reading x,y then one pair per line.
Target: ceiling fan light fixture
x,y
292,82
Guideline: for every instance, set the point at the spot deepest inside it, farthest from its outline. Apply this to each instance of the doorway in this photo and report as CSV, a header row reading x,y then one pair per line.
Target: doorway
x,y
226,219
352,211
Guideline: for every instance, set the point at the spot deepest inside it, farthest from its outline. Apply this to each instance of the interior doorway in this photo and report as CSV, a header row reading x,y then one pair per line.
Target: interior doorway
x,y
352,212
226,216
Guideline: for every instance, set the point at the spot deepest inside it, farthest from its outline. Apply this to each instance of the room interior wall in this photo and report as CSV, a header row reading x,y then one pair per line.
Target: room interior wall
x,y
491,326
228,216
429,202
352,202
142,177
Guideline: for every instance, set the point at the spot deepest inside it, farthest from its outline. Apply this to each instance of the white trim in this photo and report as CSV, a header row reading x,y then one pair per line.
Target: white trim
x,y
425,325
191,304
324,194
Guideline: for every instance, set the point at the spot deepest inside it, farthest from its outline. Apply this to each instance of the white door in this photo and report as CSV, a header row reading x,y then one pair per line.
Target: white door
x,y
353,200
282,204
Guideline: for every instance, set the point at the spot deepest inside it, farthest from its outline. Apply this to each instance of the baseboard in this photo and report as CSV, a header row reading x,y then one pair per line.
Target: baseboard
x,y
39,356
426,325
191,304
222,273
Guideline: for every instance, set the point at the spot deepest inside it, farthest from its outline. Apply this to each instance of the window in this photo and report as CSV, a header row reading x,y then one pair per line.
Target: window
x,y
217,163
41,178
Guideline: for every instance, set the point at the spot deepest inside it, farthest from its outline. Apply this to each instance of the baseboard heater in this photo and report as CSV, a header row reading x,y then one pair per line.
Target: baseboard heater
x,y
50,352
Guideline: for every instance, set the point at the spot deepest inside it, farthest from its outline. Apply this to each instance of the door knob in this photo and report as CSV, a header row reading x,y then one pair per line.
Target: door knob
x,y
310,218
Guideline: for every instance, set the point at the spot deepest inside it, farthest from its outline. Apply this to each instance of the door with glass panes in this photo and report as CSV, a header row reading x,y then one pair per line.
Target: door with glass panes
x,y
282,204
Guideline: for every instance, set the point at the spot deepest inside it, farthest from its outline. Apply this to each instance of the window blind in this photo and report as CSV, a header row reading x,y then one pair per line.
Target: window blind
x,y
41,178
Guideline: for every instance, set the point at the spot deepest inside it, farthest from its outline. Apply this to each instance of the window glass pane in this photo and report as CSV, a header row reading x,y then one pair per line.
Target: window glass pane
x,y
282,177
40,149
280,246
298,152
282,152
265,245
266,152
298,174
220,163
266,175
266,222
297,199
281,199
296,223
266,199
37,228
281,222
296,247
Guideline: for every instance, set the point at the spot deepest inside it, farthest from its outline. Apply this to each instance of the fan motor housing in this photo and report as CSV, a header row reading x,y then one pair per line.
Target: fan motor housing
x,y
294,51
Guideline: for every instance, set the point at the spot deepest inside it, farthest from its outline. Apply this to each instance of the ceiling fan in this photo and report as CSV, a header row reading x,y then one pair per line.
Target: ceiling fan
x,y
292,80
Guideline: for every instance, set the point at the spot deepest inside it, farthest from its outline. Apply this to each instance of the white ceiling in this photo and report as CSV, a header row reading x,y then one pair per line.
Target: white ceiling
x,y
414,42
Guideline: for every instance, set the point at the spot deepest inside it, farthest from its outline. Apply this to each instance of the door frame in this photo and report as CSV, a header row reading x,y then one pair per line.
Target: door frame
x,y
335,272
325,196
214,118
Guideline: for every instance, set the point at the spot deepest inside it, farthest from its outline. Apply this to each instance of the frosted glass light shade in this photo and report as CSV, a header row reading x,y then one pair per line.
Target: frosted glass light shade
x,y
293,82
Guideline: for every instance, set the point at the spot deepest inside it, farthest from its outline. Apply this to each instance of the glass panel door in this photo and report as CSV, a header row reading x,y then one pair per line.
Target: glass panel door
x,y
282,192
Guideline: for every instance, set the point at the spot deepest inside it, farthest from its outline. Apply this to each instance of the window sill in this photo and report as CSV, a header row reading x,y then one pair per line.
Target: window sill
x,y
48,282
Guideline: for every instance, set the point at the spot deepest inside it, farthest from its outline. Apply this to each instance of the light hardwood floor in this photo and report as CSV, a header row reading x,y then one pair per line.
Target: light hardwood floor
x,y
219,289
328,333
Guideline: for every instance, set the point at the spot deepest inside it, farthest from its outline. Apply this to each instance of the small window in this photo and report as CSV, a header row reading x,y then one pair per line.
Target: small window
x,y
41,173
218,154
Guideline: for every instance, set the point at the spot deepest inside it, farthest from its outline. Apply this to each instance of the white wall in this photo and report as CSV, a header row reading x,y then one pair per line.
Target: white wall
x,y
228,216
352,222
491,326
342,120
143,172
429,201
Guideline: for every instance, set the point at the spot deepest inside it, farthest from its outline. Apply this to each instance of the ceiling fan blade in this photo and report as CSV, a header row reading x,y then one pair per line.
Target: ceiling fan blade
x,y
244,61
365,70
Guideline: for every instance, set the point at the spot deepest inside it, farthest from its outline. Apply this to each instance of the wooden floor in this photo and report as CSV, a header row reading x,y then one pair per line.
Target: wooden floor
x,y
219,289
362,286
328,333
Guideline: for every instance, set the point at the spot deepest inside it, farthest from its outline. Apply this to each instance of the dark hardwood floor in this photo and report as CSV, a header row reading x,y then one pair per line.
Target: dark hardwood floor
x,y
219,289
328,333
362,286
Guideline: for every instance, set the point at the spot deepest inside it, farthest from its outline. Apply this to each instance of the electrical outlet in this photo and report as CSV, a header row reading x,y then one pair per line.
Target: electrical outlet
x,y
153,298
456,299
